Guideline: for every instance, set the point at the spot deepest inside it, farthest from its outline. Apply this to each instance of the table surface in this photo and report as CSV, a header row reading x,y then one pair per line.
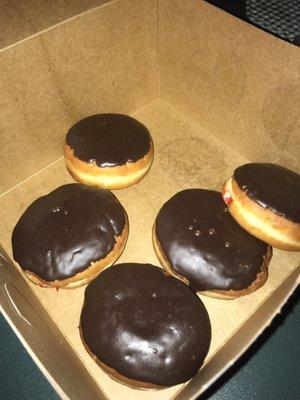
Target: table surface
x,y
270,369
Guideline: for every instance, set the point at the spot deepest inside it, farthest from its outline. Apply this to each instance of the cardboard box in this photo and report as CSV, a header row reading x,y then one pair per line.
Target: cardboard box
x,y
214,92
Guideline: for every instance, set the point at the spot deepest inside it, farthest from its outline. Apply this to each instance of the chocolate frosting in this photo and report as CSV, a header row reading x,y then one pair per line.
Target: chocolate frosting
x,y
109,140
147,326
271,186
203,243
61,233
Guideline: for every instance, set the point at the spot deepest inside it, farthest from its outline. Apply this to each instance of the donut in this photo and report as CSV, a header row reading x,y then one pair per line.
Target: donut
x,y
64,239
111,151
265,200
196,239
145,329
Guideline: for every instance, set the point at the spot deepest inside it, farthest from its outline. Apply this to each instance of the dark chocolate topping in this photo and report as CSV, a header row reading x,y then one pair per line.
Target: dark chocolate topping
x,y
203,243
109,139
61,233
271,186
147,326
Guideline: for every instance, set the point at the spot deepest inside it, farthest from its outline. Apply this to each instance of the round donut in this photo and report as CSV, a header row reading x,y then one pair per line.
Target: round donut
x,y
265,200
144,328
111,151
64,239
196,240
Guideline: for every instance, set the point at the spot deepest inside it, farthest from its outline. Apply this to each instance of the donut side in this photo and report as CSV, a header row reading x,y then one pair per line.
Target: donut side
x,y
91,271
117,177
261,222
231,294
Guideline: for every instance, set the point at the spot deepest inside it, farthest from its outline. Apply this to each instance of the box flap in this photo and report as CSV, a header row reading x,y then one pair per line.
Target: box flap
x,y
41,337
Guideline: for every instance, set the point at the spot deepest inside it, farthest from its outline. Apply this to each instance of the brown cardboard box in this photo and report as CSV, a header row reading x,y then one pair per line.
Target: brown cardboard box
x,y
214,92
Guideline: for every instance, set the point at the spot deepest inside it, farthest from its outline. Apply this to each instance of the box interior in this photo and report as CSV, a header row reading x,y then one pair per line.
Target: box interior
x,y
235,80
214,92
20,20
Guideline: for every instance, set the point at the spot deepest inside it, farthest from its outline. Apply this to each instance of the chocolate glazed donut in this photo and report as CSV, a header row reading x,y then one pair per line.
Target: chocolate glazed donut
x,y
144,328
271,186
108,150
264,199
109,139
197,240
65,238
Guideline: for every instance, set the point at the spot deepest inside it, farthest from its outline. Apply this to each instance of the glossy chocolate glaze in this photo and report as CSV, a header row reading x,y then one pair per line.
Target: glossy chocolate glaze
x,y
109,140
147,326
203,243
271,186
61,233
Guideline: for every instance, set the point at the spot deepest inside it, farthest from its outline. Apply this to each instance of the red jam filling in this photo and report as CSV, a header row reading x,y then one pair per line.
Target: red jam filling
x,y
227,198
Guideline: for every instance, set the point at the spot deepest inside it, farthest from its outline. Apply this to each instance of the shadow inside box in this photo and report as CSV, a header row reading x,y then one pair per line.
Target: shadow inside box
x,y
254,357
